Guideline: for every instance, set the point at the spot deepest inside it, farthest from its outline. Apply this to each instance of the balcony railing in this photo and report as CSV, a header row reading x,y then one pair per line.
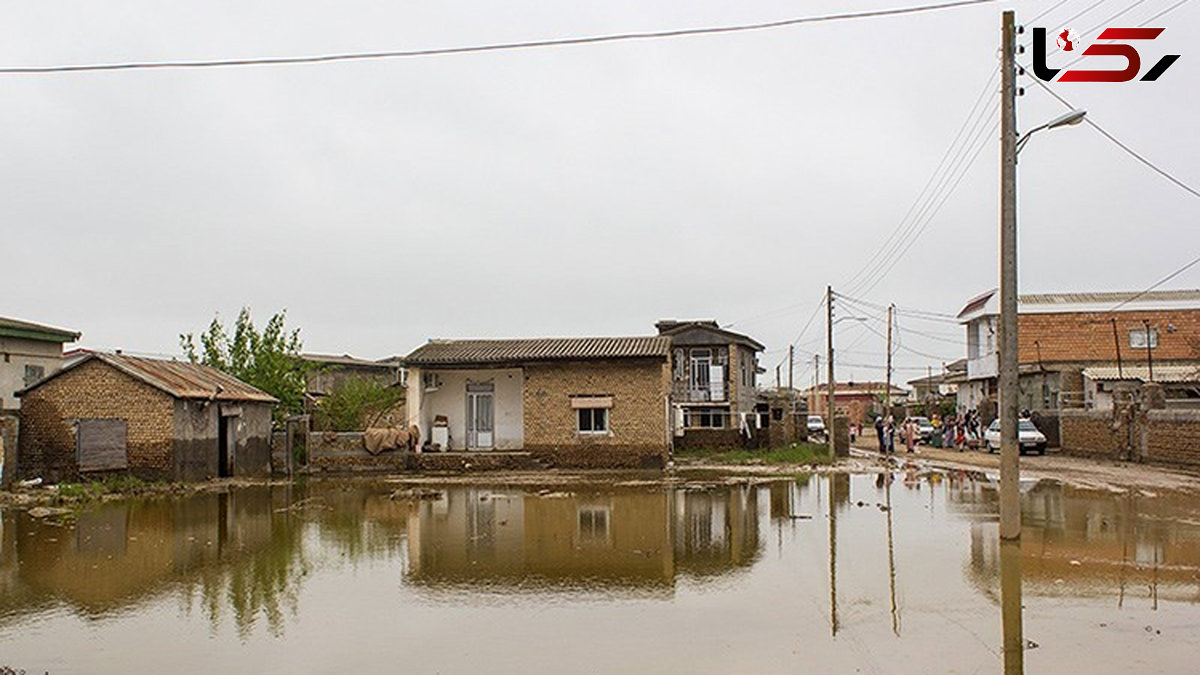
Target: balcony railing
x,y
713,393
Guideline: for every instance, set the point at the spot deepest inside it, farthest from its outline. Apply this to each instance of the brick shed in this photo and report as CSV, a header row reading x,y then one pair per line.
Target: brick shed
x,y
155,419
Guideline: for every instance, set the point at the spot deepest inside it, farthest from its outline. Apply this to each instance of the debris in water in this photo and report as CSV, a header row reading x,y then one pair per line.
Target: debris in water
x,y
45,511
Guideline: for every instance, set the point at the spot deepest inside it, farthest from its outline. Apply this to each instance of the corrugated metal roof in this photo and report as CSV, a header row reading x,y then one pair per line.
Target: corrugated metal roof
x,y
463,352
1113,297
1166,374
36,331
347,360
180,379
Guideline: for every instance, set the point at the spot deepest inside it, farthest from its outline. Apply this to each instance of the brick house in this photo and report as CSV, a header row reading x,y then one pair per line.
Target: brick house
x,y
152,418
585,402
857,401
30,352
1062,336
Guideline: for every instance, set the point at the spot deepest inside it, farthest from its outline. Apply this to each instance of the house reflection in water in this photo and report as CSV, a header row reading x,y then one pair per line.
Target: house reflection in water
x,y
221,549
588,539
1128,546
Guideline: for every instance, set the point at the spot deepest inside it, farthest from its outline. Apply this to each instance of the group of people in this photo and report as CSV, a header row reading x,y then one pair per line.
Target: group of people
x,y
886,430
959,430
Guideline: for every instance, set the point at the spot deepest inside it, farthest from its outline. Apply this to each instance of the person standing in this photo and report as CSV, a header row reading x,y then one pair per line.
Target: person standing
x,y
910,434
879,433
889,434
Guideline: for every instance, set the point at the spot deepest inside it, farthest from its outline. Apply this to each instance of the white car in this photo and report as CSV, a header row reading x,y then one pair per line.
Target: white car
x,y
1030,438
816,425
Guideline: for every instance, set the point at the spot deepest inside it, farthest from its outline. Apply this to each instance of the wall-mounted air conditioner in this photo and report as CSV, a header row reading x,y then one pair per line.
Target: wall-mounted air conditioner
x,y
431,381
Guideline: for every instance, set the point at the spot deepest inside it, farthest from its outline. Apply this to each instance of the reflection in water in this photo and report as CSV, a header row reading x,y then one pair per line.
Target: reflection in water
x,y
678,572
508,538
1010,607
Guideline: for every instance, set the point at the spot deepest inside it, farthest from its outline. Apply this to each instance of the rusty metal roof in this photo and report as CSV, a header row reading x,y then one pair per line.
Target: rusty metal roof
x,y
180,379
482,352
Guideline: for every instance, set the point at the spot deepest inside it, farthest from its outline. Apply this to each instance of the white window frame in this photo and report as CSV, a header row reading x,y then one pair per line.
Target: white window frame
x,y
1137,338
593,414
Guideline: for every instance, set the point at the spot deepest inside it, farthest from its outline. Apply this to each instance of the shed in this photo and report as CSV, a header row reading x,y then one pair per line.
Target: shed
x,y
152,418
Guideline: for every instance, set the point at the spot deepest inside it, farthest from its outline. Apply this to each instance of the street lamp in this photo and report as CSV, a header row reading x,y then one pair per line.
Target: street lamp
x,y
1065,120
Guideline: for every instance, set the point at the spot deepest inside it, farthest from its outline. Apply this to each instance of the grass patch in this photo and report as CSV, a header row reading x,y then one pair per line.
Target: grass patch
x,y
799,453
111,485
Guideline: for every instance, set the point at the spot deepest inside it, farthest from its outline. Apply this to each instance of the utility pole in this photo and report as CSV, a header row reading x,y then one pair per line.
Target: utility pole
x,y
791,364
887,394
778,384
1149,357
1117,343
1010,496
829,431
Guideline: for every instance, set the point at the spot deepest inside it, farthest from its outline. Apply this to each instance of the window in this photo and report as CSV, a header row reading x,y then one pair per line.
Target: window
x,y
680,366
33,374
704,418
594,524
593,420
1137,338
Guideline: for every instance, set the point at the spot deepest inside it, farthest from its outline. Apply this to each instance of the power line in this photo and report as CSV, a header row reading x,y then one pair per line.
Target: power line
x,y
506,46
965,167
1132,153
925,191
1160,282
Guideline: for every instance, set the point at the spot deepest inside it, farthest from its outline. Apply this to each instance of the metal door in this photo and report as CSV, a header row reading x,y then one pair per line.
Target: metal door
x,y
480,417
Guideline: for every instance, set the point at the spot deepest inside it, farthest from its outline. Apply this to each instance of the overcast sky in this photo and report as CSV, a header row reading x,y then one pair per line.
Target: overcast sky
x,y
585,190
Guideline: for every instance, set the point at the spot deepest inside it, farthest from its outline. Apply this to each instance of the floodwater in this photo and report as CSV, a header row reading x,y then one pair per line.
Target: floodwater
x,y
816,574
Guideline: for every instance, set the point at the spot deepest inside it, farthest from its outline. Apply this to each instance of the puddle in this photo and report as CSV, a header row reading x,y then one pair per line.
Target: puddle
x,y
834,573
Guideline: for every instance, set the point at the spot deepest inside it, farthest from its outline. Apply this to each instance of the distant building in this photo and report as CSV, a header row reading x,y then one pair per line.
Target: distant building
x,y
1064,336
328,371
858,401
152,418
28,352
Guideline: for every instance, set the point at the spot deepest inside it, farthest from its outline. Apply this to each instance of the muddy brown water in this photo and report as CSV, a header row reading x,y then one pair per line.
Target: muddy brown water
x,y
812,575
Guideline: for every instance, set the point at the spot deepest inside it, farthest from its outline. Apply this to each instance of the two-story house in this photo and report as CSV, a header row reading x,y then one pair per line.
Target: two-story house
x,y
713,374
28,352
1072,347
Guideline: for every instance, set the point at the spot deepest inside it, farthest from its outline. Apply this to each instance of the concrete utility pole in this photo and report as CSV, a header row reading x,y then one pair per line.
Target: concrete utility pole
x,y
829,358
791,365
1010,449
887,394
1149,357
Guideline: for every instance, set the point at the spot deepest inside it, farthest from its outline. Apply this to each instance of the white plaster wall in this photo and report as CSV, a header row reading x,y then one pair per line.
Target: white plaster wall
x,y
15,354
450,400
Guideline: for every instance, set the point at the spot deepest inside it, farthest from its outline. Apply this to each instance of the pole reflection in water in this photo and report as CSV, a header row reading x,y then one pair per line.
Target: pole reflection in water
x,y
1010,606
887,500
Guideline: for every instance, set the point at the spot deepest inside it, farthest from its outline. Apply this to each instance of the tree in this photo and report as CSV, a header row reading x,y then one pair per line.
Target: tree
x,y
269,360
357,403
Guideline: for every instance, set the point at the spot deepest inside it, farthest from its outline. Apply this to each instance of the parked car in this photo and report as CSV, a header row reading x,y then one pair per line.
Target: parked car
x,y
924,428
1030,438
816,425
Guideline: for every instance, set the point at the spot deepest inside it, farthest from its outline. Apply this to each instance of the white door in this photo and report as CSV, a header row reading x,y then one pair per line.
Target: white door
x,y
480,417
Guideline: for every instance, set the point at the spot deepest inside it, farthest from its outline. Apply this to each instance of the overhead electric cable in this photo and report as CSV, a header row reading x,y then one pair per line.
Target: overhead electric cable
x,y
1132,153
506,46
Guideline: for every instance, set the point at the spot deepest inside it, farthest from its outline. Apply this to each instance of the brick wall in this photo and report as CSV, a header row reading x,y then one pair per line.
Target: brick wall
x,y
94,390
1091,433
1088,336
1173,436
637,420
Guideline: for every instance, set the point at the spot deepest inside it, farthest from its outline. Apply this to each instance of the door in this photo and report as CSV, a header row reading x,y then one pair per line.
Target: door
x,y
226,442
480,417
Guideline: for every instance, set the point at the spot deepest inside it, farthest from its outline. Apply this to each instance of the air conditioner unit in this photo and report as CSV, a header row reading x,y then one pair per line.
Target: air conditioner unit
x,y
431,381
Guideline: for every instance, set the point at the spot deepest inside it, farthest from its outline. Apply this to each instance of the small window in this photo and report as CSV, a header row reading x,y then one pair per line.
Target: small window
x,y
593,420
1137,338
34,374
594,524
